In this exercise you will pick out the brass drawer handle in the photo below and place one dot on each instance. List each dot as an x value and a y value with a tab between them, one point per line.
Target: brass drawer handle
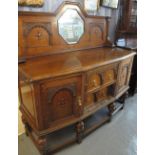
80	106
79	102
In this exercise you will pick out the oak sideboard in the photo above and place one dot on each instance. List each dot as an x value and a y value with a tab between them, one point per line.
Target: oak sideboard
70	75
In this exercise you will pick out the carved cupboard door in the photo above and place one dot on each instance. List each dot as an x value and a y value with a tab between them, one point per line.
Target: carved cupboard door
61	100
124	74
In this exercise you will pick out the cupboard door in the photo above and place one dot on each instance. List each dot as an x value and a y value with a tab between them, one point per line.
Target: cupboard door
124	74
61	100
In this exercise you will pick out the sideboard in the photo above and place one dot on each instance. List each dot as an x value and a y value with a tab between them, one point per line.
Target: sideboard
70	75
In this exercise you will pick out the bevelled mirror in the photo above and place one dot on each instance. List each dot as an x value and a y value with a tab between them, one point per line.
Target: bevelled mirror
71	26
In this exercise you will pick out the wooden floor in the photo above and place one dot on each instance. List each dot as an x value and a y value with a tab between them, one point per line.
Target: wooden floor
119	137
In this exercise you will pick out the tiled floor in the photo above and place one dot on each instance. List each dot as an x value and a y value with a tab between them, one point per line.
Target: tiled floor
116	138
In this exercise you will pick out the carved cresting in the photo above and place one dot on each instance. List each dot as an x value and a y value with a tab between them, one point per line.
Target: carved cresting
43	35
37	34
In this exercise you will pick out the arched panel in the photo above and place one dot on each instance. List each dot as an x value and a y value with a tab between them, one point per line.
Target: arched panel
61	105
96	33
123	76
38	36
94	81
109	76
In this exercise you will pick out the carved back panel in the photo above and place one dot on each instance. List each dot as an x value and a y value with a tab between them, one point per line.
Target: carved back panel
39	32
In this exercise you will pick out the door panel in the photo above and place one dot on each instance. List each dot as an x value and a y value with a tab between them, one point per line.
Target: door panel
60	99
61	104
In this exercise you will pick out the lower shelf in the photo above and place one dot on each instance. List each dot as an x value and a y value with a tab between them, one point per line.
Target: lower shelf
118	106
64	137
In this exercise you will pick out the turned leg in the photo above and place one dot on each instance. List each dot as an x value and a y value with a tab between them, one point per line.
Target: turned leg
27	127
122	99
79	131
42	145
111	108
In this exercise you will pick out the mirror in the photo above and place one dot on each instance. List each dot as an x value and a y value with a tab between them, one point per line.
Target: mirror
71	26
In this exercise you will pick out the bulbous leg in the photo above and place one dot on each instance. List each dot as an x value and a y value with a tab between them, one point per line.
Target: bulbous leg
111	108
79	131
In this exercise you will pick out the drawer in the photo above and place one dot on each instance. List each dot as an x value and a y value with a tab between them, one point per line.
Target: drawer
101	76
102	94
94	81
109	76
90	99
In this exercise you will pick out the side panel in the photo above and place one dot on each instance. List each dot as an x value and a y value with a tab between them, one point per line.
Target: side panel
124	74
27	101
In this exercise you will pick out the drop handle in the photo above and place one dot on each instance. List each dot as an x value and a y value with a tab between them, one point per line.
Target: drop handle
80	106
79	101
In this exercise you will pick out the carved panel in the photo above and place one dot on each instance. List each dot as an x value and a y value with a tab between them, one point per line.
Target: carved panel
109	76
37	34
61	105
123	76
52	91
96	32
94	81
61	99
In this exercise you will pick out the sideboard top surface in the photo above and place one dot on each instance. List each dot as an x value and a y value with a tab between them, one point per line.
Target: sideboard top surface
74	62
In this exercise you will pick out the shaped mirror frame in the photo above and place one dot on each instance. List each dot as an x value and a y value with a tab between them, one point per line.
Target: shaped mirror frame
71	26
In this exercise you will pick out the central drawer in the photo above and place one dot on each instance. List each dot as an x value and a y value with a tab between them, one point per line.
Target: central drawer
101	76
100	83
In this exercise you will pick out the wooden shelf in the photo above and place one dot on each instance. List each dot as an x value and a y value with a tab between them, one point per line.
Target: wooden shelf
67	136
118	106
